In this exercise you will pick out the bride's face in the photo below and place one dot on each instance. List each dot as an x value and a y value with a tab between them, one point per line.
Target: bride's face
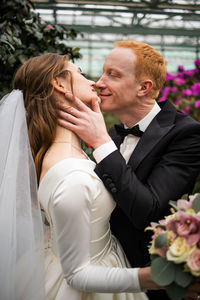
82	87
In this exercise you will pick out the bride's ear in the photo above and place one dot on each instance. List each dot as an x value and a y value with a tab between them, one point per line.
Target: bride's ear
59	84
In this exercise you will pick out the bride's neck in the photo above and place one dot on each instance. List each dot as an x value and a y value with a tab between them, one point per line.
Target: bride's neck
65	135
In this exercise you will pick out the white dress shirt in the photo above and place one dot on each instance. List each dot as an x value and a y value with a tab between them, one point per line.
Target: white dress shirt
130	141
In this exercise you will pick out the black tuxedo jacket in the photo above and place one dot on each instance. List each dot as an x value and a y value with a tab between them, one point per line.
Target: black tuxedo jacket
163	167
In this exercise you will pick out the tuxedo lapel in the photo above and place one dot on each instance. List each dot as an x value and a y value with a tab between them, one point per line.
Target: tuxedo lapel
157	129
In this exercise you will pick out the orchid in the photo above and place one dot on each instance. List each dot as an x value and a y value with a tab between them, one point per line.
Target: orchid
175	247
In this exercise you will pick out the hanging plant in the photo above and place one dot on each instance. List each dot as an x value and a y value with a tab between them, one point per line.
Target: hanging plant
23	34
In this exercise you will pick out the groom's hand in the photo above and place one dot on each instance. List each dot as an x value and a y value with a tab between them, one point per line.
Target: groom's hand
87	123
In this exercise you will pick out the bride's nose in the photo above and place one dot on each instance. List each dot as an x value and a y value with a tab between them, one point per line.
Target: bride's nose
92	82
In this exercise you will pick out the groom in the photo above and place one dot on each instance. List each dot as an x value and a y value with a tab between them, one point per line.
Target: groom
145	167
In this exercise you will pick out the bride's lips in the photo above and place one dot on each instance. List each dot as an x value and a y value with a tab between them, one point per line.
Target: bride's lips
93	90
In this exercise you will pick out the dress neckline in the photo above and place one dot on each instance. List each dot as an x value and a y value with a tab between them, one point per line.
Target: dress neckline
61	162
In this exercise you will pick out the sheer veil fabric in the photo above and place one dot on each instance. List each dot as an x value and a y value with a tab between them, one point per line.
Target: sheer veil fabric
21	232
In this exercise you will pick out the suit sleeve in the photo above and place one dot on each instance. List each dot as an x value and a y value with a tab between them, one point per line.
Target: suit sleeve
173	175
70	210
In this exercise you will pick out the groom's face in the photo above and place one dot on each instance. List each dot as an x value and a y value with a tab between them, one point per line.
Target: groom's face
118	86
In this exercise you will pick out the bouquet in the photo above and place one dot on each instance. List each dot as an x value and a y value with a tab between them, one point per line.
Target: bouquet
175	247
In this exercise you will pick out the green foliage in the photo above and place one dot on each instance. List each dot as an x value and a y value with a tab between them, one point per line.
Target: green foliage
23	34
161	241
196	203
175	292
110	120
162	271
182	278
173	204
88	150
171	276
197	186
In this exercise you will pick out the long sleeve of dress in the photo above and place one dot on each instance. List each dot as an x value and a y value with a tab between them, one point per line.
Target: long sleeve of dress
70	209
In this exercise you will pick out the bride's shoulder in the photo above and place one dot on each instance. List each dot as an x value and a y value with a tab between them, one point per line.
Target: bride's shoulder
53	158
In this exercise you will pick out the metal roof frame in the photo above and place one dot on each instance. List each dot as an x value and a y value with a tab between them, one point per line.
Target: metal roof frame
165	24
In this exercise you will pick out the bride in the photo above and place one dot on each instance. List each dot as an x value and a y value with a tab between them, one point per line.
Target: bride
82	259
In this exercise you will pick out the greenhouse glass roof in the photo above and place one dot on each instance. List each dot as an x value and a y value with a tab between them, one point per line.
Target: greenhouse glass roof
171	26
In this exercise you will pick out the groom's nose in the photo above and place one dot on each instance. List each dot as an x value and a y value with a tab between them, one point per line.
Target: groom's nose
101	83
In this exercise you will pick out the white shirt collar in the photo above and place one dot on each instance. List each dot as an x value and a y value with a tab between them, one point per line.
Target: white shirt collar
144	123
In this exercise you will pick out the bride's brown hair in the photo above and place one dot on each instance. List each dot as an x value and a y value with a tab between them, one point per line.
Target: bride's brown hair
34	78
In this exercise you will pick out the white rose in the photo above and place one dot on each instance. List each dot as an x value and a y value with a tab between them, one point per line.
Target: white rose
179	251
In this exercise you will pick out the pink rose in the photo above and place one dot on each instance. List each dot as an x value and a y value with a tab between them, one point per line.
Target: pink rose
193	262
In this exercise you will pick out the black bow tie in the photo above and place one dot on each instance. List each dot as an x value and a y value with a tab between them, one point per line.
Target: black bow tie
135	130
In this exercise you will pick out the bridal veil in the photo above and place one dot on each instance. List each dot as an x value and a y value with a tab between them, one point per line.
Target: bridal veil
21	234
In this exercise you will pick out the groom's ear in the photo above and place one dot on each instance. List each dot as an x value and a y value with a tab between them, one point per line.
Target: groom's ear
60	84
145	88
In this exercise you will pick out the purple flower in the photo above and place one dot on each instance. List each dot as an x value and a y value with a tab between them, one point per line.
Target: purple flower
169	77
186	92
181	68
197	62
196	89
197	104
180	75
178	100
166	91
185	112
174	89
179	80
189	73
195	71
187	108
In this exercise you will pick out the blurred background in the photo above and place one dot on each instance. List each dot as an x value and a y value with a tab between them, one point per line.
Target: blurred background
171	26
87	30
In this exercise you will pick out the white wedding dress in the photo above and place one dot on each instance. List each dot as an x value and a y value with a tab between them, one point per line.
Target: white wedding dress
83	261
